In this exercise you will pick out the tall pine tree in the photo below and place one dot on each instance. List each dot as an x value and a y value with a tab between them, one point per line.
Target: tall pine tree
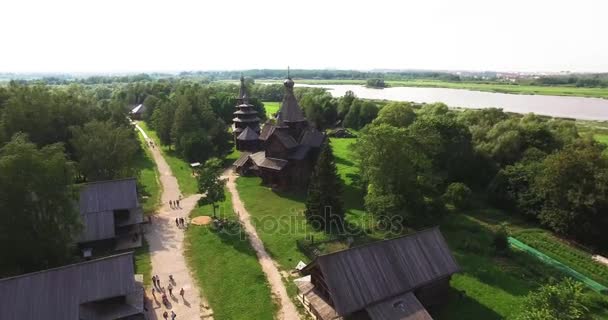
324	207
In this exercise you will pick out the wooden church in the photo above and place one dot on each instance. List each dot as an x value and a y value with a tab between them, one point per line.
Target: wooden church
285	151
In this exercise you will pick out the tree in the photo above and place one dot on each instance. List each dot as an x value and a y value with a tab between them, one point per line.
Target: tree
105	151
573	184
459	195
210	183
324	207
396	114
398	173
557	301
38	219
375	83
162	121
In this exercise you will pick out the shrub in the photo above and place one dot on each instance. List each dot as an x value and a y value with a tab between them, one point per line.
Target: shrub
561	301
459	195
501	241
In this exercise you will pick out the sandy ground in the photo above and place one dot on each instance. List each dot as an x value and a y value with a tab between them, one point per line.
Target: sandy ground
166	242
287	310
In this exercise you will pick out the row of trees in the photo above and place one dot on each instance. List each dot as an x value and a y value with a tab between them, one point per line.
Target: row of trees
51	139
414	160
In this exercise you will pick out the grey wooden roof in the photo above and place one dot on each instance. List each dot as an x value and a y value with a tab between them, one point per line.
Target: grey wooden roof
58	293
403	307
359	277
139	109
248	135
242	159
300	152
98	200
260	160
267	131
312	138
97	226
288	141
109	195
290	110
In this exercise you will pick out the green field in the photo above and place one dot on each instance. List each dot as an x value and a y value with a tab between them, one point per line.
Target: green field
271	107
494	287
181	169
489	87
227	269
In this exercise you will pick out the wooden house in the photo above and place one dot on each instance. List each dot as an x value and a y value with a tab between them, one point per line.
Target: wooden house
111	214
99	289
287	148
137	113
390	279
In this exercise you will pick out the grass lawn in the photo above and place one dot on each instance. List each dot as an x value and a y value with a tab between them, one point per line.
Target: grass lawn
271	107
601	137
180	168
494	286
227	269
143	264
149	185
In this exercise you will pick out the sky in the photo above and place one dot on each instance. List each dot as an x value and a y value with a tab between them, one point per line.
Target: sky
112	36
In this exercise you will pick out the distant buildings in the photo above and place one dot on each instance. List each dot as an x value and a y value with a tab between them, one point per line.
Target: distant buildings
99	289
285	152
384	280
111	214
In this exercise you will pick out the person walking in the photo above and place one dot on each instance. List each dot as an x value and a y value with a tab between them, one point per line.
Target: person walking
170	287
165	315
181	292
154	293
171	204
173	315
158	281
154	280
177	222
178	203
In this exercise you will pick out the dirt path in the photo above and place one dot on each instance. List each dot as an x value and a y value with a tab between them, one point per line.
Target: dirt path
287	310
166	243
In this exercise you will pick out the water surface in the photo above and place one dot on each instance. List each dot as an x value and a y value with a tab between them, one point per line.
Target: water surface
556	106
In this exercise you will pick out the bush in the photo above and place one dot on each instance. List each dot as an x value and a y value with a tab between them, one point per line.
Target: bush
459	195
562	301
501	241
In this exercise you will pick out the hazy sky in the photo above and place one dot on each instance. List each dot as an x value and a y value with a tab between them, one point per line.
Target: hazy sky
176	35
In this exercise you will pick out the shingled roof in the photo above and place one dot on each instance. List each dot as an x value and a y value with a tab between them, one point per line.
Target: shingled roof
403	307
109	195
248	135
260	160
362	276
312	138
97	203
60	293
290	110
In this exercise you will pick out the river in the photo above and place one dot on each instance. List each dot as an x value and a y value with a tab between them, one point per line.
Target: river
556	106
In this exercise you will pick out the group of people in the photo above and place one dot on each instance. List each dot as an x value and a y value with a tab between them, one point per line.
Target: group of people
174	204
151	144
161	289
180	222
